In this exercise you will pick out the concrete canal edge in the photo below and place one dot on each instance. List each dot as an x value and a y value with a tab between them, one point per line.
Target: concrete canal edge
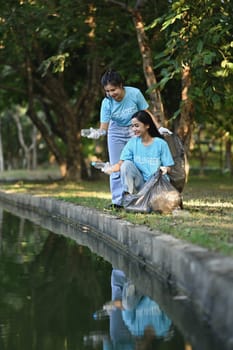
205	277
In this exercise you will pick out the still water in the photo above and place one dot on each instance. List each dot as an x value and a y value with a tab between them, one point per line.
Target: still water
57	294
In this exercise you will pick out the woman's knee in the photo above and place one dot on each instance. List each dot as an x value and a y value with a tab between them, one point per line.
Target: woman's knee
126	166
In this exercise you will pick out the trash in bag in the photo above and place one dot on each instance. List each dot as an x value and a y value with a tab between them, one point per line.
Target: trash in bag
164	197
157	194
177	174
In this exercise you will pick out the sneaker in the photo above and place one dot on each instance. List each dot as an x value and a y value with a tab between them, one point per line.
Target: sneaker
113	206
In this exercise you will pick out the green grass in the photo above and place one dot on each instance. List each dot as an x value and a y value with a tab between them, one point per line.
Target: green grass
207	218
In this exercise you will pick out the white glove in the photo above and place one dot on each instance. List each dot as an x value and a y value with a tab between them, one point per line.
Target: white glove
96	133
163	170
107	169
163	130
109	306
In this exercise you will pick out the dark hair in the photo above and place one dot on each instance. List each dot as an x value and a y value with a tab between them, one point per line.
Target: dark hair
145	118
111	77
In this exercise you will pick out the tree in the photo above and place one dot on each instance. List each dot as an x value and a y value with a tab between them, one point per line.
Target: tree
30	158
199	51
62	50
43	38
53	54
135	10
1	150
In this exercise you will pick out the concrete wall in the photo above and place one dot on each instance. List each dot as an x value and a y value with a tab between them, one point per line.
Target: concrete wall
203	277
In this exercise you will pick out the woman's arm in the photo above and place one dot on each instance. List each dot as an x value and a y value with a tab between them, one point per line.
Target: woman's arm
116	167
113	168
104	126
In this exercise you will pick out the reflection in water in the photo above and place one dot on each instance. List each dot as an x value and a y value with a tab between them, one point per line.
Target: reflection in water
135	320
51	284
48	290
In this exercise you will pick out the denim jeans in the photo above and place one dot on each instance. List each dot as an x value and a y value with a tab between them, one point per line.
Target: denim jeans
131	178
118	136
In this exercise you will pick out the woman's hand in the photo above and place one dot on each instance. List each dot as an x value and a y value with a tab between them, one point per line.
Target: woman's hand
109	169
163	131
164	170
96	133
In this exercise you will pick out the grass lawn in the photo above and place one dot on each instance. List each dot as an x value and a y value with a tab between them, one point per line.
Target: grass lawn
207	218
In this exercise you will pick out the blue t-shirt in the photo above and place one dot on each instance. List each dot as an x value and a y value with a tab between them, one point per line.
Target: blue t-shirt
122	111
147	314
148	158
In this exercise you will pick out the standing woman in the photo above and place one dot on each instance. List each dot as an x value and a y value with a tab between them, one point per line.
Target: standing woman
117	108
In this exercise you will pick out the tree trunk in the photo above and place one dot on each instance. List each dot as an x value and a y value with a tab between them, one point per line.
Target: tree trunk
66	119
34	148
186	120
185	123
155	96
22	143
69	119
228	156
147	61
1	151
49	139
1	230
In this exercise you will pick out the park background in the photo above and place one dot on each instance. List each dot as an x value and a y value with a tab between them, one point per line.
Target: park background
53	54
179	53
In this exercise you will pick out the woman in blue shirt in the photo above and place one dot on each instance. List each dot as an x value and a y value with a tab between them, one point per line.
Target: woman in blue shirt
117	108
143	155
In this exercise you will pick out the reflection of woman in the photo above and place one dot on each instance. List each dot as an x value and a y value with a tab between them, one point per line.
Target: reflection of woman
144	316
135	316
120	336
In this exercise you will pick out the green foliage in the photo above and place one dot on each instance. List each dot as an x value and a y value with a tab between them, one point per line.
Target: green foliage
66	46
57	62
200	34
54	53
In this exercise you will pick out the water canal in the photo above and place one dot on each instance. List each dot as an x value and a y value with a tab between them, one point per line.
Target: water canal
56	279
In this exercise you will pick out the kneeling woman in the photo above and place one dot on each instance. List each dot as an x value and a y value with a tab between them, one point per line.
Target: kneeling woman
143	155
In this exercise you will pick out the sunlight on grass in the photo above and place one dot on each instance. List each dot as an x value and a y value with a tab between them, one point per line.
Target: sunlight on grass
215	204
101	195
207	218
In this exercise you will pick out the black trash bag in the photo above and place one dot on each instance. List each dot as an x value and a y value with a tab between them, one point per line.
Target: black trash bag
157	194
177	174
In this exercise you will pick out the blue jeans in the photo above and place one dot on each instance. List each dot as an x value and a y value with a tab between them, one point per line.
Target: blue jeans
120	337
131	178
118	136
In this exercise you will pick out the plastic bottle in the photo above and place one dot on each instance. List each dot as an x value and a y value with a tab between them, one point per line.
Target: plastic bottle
100	314
93	133
105	311
86	132
98	165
